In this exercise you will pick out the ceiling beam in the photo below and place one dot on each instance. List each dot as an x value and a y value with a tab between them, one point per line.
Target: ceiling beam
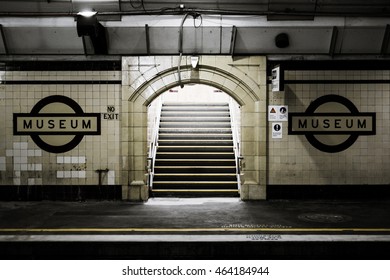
147	39
386	40
4	40
233	40
333	41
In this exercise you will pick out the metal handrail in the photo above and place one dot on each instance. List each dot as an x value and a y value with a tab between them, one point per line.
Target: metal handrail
153	146
236	142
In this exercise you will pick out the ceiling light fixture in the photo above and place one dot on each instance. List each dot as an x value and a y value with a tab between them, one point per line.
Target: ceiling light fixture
87	13
89	26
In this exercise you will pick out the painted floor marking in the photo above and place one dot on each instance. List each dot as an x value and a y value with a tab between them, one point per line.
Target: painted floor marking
181	230
194	238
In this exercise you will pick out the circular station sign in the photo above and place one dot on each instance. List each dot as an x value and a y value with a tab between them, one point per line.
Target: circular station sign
57	124
332	123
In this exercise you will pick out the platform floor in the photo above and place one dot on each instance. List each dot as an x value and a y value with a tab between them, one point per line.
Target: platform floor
196	228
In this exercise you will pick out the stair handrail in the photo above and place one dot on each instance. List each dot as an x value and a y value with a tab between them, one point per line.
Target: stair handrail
236	139
154	143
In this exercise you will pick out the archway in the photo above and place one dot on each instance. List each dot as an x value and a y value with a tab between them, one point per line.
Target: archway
194	143
145	78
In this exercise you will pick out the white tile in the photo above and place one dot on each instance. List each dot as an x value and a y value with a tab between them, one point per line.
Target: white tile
31	153
60	159
82	160
38	167
24	145
74	159
75	174
17	181
111	177
23	159
17	145
38	153
31	181
9	153
31	167
23	167
67	159
82	174
60	174
67	174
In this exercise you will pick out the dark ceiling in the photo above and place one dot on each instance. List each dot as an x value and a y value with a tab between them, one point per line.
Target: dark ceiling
371	8
141	27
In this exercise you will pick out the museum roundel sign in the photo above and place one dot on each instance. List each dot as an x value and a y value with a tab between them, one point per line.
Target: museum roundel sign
332	123
57	124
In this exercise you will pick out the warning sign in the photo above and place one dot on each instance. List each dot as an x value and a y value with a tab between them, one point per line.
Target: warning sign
272	114
277	113
277	130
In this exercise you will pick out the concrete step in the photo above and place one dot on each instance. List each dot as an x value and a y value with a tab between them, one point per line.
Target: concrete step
195	142
212	149
195	130
194	185
195	193
191	119
195	177
195	155
195	162
194	109
194	114
194	169
214	125
194	137
195	104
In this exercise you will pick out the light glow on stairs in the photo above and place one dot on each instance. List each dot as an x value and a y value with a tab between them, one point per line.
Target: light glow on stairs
195	151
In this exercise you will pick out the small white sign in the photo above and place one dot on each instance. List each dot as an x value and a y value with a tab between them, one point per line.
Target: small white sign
283	113
272	113
277	130
276	79
278	113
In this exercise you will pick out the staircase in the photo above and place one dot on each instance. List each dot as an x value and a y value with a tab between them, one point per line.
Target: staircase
195	154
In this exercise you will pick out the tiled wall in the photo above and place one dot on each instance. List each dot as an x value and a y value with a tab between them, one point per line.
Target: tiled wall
22	162
291	160
294	161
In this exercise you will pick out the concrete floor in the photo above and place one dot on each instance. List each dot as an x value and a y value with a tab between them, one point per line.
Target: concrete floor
278	228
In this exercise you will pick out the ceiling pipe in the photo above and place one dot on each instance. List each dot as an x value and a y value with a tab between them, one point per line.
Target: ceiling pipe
194	15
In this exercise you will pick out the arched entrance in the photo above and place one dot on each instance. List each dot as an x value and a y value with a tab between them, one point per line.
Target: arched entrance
194	143
145	78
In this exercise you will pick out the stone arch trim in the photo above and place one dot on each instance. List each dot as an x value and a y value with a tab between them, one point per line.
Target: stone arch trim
189	81
187	69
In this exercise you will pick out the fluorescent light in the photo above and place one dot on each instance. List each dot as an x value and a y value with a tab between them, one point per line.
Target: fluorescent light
87	13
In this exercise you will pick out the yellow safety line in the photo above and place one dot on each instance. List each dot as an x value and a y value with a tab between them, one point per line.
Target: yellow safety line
3	230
